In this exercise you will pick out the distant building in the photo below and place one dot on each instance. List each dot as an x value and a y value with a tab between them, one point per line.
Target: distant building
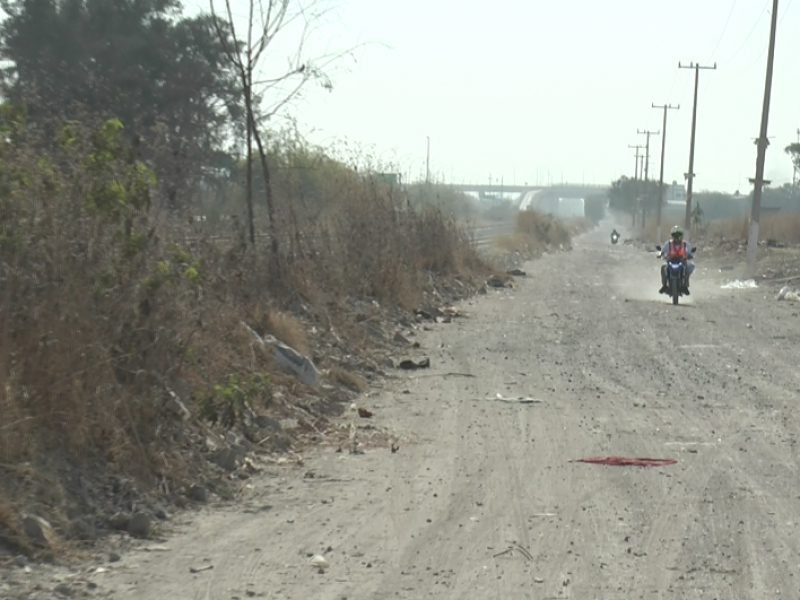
674	192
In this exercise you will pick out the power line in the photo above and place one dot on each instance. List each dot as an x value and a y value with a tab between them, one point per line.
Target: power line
758	20
721	35
764	49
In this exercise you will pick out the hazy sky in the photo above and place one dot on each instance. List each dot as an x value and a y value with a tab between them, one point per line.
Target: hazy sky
522	87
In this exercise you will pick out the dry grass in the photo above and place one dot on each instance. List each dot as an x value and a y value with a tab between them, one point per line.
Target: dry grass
536	232
783	228
289	330
348	379
105	304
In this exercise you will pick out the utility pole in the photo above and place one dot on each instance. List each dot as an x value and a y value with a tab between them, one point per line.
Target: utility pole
428	161
666	107
636	170
763	142
795	170
635	176
646	173
690	174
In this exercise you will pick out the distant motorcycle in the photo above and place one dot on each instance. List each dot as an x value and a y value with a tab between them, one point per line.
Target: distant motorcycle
676	274
614	237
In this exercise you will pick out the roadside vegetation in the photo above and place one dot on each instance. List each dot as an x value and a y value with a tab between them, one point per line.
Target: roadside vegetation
156	227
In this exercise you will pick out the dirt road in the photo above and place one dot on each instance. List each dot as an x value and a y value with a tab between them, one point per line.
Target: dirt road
482	501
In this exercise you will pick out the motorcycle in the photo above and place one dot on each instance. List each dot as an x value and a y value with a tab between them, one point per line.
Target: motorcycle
614	237
676	274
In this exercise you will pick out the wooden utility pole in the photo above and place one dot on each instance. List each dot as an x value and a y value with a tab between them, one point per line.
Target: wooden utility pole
690	175
428	161
635	175
763	142
666	107
795	170
646	173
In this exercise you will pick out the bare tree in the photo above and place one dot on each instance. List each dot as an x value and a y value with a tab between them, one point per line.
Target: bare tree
265	97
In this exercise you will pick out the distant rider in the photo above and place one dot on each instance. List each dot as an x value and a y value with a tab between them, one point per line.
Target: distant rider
676	248
614	235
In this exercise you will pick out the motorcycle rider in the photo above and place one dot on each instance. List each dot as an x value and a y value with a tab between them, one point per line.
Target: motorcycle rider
676	248
614	234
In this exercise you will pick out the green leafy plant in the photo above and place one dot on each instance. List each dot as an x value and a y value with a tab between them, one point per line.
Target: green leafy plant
226	402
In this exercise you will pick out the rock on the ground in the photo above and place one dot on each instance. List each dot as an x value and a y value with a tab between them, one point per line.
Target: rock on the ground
139	525
120	521
38	530
198	493
227	459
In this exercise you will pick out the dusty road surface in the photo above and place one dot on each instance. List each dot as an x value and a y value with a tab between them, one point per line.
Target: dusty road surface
482	501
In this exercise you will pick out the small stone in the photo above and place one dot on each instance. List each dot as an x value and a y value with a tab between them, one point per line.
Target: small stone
319	561
120	521
64	590
198	493
114	557
226	458
140	525
159	512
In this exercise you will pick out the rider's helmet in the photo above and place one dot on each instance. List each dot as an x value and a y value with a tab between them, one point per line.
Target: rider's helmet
677	233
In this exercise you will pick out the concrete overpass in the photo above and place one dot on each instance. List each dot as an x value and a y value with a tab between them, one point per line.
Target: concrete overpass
572	188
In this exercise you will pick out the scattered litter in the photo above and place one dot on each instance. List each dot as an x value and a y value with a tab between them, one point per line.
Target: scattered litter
627	462
319	561
365	414
200	569
788	293
153	548
736	284
448	375
289	358
517	400
410	365
516	547
495	282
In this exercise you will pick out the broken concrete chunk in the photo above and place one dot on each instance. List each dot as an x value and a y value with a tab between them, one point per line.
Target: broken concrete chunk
38	530
289	358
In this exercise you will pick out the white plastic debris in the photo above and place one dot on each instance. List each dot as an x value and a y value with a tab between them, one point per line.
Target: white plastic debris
319	561
788	293
736	284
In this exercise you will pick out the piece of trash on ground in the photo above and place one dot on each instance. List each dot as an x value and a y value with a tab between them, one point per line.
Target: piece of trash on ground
788	293
410	365
736	284
517	399
623	461
200	569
